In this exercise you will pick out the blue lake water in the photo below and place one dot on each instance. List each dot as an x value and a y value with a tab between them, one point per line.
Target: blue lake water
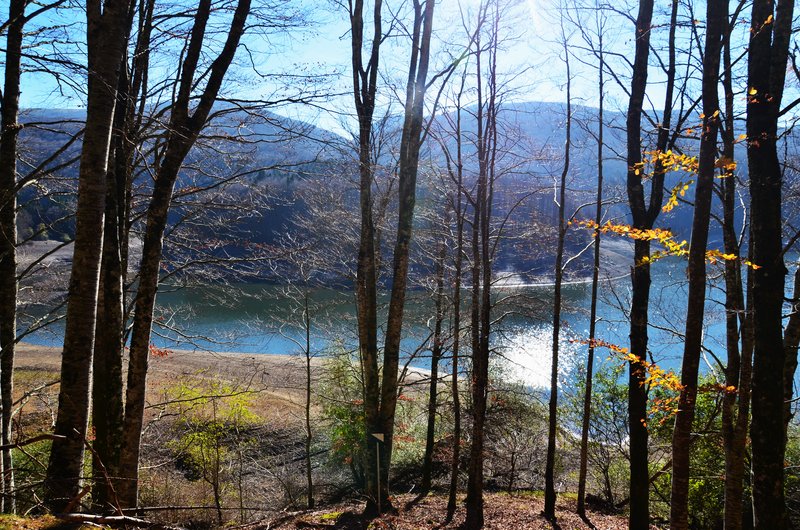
262	319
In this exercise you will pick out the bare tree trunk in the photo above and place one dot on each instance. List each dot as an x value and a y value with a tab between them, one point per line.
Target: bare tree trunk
309	434
480	372
106	36
684	418
552	432
456	461
364	90
184	129
108	385
644	215
8	236
486	119
735	405
742	422
598	218
768	55
640	281
436	354
410	143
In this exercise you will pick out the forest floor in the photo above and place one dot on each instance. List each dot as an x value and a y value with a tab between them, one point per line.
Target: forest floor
279	382
502	511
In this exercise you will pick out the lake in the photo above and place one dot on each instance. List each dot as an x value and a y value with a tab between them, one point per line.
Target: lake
262	319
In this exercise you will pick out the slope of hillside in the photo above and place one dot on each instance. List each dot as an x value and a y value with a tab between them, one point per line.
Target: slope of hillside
276	154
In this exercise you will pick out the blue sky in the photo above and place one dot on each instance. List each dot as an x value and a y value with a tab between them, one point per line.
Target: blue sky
323	47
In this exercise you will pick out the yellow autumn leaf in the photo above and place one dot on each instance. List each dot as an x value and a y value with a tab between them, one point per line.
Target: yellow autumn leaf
752	265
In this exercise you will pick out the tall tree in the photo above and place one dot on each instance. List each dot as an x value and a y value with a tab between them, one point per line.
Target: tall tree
485	152
455	463
640	278
8	230
107	380
598	217
410	143
455	169
549	473
736	407
695	310
437	348
738	322
365	78
9	134
380	388
185	126
106	38
644	214
770	34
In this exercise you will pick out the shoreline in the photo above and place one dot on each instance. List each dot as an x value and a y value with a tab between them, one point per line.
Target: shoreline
616	256
581	281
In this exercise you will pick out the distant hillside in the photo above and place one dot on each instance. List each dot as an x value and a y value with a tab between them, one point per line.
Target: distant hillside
278	153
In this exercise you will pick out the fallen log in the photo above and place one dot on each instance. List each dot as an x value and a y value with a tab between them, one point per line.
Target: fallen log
114	520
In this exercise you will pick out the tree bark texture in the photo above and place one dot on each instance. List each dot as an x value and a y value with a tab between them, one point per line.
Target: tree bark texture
695	310
768	54
184	129
106	35
9	132
552	431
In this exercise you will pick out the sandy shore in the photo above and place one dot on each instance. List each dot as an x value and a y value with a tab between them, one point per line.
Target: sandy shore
278	381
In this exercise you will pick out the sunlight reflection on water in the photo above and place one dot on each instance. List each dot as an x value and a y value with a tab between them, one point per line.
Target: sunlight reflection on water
527	355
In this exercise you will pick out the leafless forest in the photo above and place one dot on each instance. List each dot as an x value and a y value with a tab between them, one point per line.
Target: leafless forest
417	205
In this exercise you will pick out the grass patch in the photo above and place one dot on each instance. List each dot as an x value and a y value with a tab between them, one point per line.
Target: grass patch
332	516
45	522
535	494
